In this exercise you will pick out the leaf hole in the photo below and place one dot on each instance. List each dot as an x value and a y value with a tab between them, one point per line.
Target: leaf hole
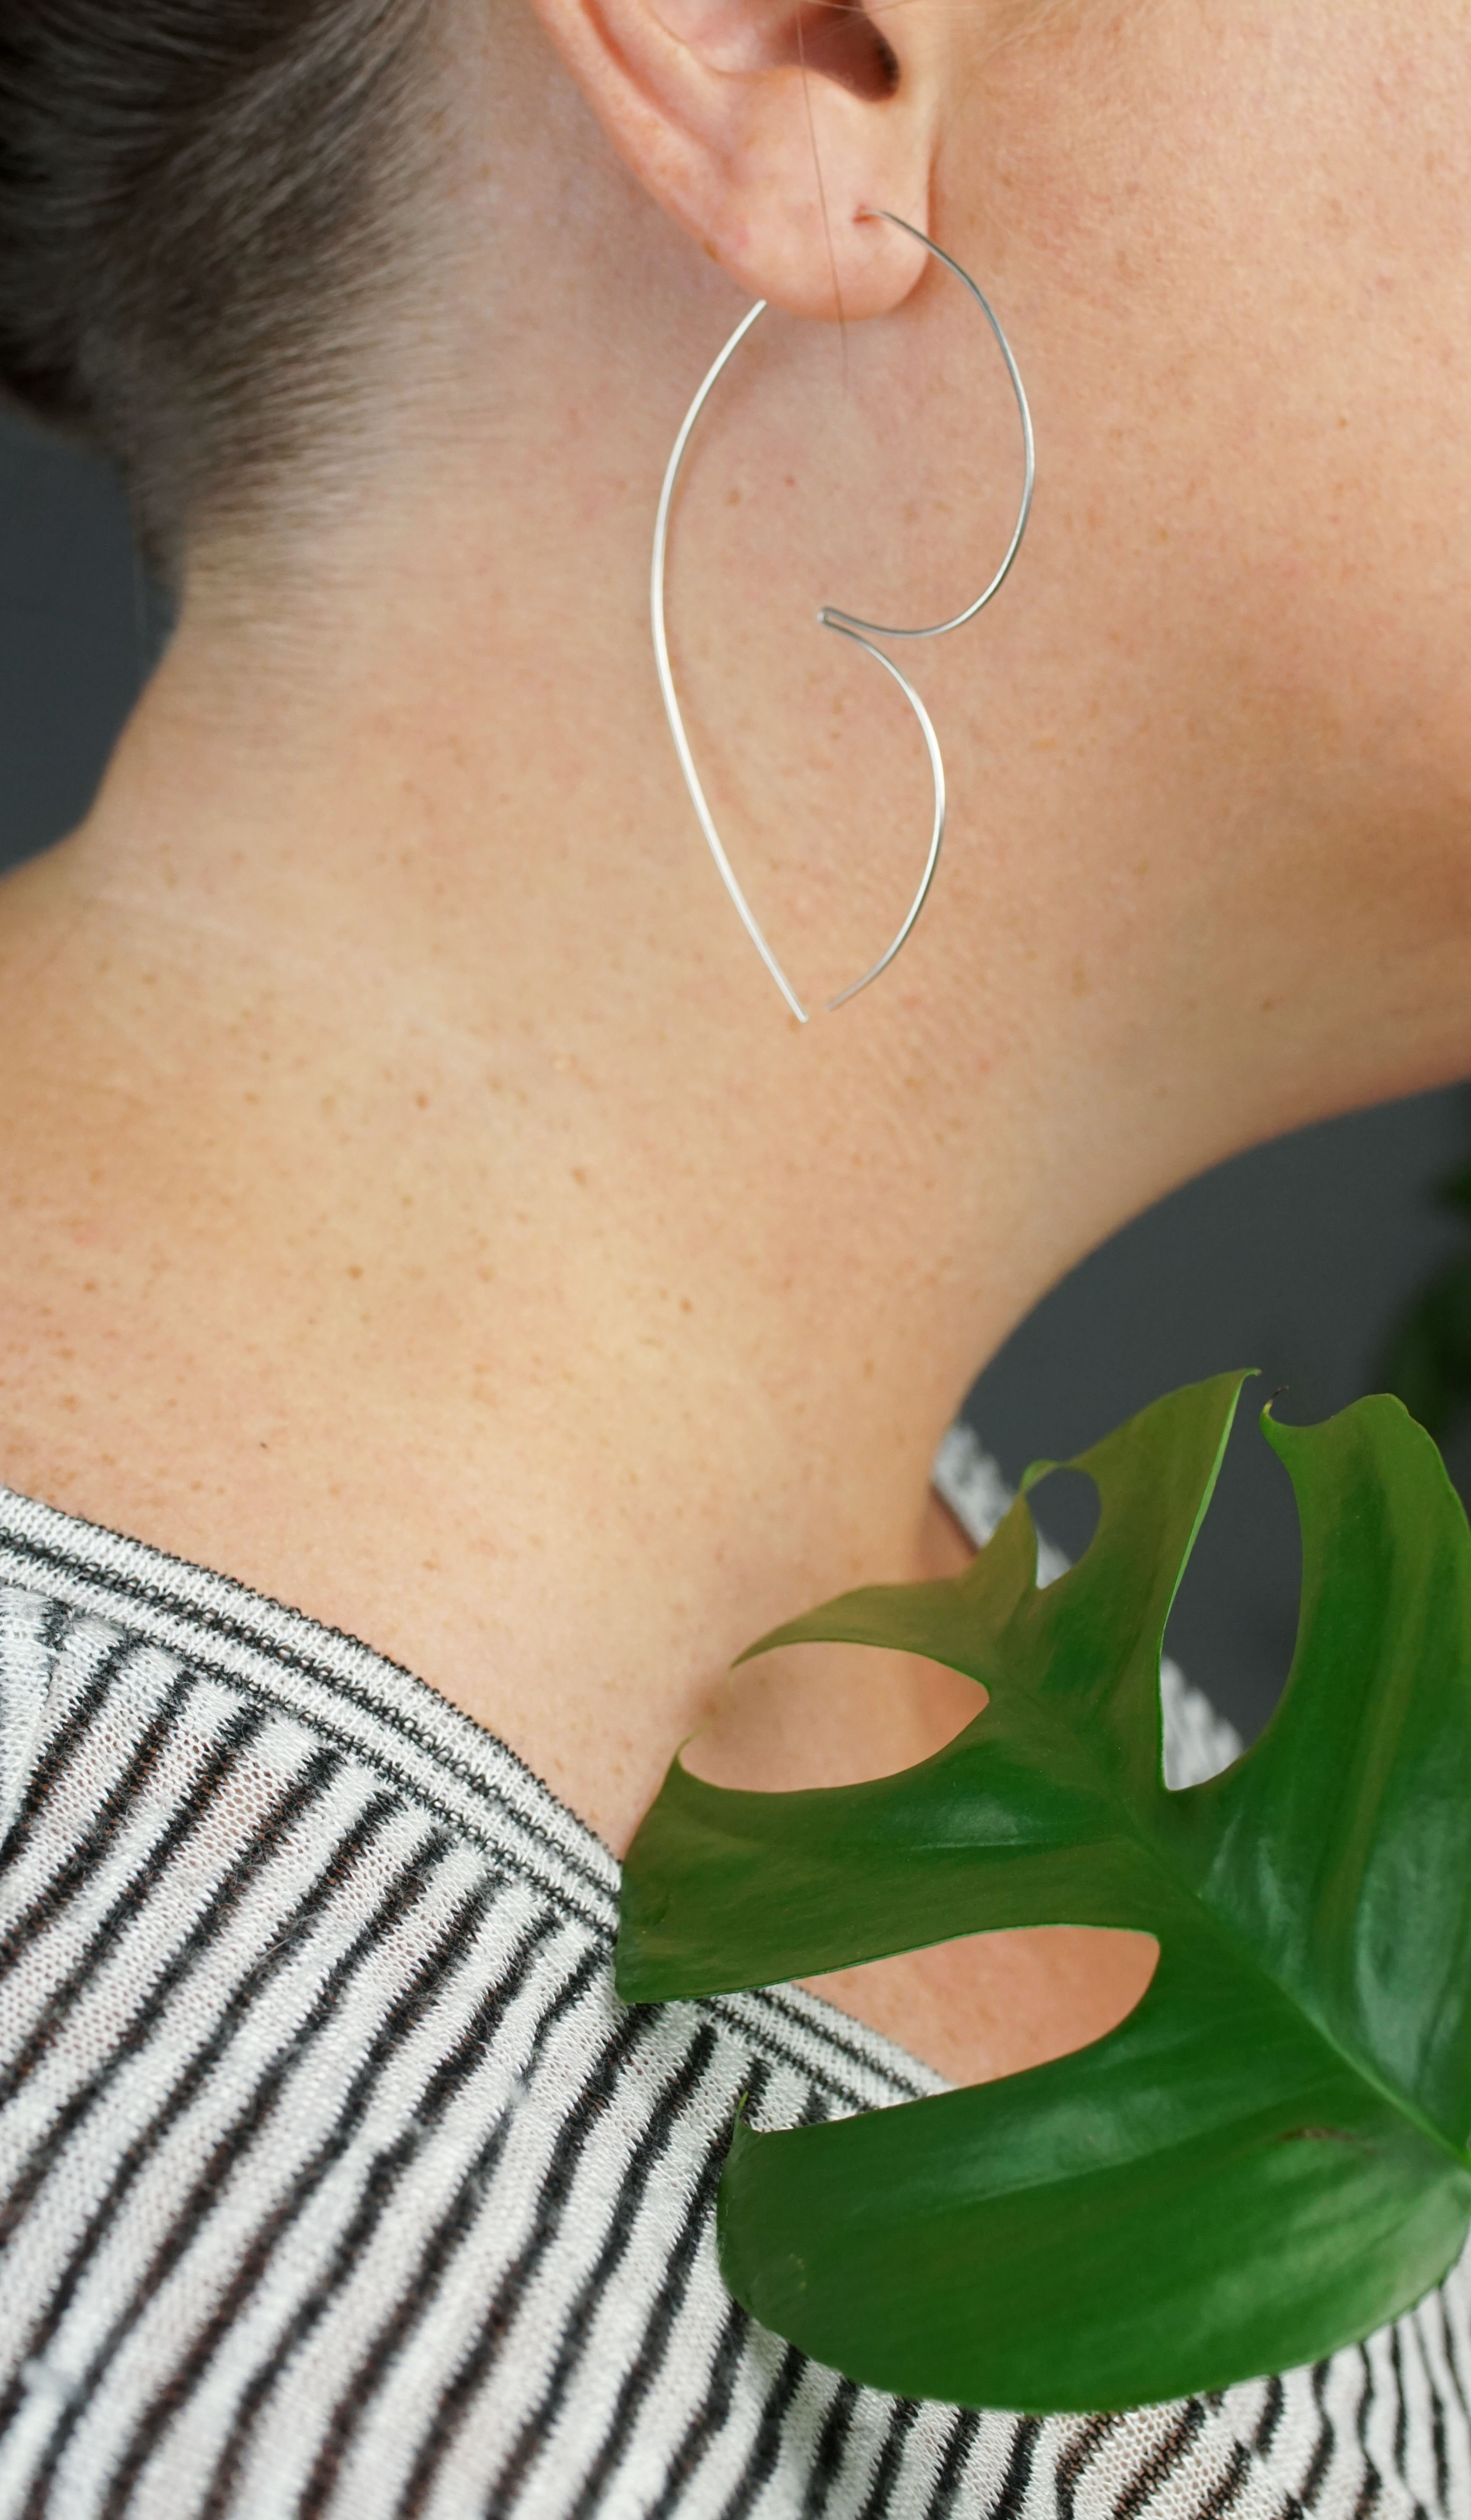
990	2004
1232	1626
1067	1507
829	1715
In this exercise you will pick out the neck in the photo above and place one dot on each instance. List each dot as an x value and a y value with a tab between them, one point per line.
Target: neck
540	1301
455	1164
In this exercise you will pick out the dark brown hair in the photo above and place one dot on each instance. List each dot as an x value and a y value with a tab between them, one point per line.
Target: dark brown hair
201	201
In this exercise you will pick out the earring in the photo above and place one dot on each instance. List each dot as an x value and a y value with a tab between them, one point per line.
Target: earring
861	633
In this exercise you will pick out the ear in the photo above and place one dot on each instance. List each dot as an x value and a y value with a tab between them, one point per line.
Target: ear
771	130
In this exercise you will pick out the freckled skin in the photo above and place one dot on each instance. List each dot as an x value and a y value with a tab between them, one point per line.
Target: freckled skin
415	1200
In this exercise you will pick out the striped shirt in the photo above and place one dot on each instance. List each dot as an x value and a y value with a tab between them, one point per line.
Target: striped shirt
337	2184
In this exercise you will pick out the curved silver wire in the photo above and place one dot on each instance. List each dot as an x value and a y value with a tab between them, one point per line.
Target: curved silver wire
829	616
847	624
672	710
937	835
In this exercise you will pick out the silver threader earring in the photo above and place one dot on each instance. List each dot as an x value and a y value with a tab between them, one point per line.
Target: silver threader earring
861	633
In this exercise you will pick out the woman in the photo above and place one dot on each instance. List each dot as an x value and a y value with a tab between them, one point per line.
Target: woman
421	1208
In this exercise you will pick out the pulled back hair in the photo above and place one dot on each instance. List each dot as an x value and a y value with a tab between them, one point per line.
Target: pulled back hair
201	205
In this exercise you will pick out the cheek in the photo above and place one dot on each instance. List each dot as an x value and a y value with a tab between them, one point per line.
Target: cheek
1240	278
1258	339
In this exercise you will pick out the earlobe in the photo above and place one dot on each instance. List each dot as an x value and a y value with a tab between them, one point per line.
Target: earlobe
767	129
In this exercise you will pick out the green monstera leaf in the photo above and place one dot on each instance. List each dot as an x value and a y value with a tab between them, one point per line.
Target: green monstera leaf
1267	2159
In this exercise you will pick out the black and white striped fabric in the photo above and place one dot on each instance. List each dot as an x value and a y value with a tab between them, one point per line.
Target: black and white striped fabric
335	2180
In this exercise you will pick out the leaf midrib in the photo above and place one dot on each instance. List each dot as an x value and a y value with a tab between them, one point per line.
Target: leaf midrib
1156	1853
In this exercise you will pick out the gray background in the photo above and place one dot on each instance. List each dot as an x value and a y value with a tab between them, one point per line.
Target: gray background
78	626
1293	1259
